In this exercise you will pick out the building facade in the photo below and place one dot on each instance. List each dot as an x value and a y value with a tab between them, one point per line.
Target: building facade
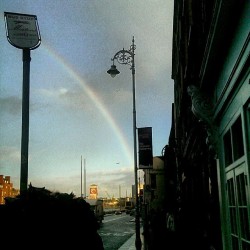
154	185
6	189
207	160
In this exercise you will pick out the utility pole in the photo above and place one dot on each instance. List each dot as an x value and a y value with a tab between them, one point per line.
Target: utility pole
81	176
85	178
120	196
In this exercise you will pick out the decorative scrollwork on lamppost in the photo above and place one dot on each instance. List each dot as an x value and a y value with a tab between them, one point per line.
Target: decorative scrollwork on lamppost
127	57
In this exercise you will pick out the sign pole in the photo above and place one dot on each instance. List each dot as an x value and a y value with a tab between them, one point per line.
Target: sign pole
25	121
23	33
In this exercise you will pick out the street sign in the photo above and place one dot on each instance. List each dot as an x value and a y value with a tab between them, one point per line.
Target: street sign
145	148
22	30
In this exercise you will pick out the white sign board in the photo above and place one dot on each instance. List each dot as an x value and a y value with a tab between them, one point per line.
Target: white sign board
22	30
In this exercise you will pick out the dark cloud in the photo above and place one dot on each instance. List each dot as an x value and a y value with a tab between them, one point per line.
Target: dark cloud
11	105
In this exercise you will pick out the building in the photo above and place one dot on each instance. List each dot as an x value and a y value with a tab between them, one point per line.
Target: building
6	189
152	195
154	185
208	156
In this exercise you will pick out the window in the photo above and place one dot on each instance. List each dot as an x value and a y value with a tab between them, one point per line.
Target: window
153	181
237	176
238	209
233	143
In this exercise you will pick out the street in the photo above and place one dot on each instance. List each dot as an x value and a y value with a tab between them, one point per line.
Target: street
116	229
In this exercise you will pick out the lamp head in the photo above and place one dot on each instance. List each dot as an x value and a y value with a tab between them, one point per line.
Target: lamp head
113	71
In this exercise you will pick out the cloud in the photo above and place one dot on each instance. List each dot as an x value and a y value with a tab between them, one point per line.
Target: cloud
10	158
9	153
11	105
107	181
69	98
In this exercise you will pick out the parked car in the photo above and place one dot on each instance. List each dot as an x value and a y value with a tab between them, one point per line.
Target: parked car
118	212
128	211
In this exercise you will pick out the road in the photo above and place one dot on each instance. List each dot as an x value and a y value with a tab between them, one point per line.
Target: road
116	229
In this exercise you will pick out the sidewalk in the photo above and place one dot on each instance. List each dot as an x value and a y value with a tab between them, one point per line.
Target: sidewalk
130	243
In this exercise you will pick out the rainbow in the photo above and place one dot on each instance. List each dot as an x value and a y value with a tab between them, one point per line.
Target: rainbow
94	97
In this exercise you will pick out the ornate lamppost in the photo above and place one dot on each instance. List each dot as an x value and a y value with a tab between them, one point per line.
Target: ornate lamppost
127	57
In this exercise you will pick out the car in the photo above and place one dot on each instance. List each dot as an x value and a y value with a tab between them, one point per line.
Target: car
118	212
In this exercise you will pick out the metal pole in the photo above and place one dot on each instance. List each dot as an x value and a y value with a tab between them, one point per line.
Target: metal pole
137	214
25	121
85	195
81	176
122	58
120	197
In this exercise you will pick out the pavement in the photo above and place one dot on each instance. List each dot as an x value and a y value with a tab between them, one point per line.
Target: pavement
130	243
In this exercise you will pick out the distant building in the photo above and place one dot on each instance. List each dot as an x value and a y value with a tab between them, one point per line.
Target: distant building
6	189
93	191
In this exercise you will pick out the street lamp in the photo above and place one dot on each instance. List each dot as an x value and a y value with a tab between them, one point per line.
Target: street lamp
128	57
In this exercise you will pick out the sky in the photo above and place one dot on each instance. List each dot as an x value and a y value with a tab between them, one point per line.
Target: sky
79	116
